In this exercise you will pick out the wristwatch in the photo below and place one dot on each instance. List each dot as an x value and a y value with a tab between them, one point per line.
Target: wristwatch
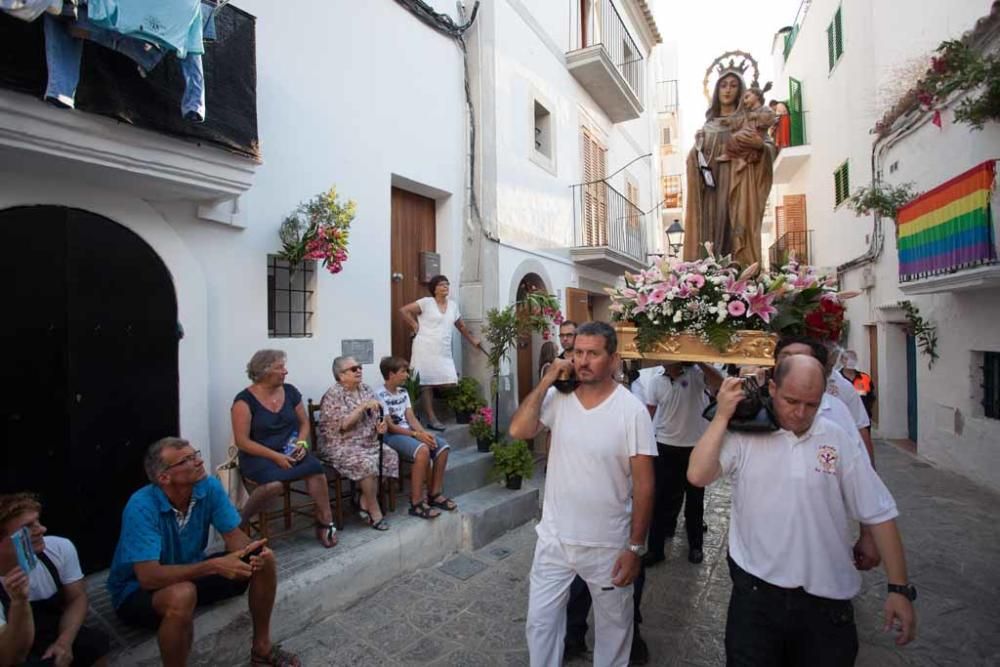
908	590
638	549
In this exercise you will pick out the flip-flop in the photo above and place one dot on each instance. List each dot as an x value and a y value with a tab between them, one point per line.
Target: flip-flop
276	658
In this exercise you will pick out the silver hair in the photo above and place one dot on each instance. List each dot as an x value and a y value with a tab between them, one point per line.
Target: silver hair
261	362
153	461
338	365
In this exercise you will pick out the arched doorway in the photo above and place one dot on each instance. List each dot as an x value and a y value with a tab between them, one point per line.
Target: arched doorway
90	377
526	352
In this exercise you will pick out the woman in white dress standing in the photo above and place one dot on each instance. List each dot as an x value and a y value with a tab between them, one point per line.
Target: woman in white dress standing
431	319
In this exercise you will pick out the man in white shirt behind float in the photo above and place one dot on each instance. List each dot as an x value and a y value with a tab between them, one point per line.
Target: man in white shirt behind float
598	499
790	559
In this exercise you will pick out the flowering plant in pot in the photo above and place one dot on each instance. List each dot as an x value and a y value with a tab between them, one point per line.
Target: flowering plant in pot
465	398
318	229
512	461
481	428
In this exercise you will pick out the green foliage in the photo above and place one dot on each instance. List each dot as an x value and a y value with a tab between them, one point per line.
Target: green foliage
959	67
412	386
884	198
922	330
466	396
481	424
512	458
535	313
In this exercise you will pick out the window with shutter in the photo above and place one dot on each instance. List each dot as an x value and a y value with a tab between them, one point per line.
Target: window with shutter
595	191
841	184
835	39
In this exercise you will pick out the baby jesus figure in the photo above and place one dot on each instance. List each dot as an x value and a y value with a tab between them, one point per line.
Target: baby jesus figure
751	115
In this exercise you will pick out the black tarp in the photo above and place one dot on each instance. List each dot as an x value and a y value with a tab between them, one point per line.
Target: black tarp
110	83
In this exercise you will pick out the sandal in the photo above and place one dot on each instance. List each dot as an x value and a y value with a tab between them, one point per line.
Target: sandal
443	502
435	425
277	658
423	510
326	533
380	525
365	516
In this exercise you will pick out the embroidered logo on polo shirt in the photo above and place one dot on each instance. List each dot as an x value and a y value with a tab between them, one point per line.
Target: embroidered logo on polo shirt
827	458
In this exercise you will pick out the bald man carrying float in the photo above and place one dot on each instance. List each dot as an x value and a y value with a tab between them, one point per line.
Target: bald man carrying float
790	558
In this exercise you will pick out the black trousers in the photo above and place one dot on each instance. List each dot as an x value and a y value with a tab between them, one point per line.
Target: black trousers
579	605
672	489
768	626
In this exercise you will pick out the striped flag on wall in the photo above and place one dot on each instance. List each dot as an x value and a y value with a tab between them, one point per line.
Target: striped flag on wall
948	228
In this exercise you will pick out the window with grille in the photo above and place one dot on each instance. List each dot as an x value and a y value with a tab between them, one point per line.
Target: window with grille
841	185
835	39
991	385
543	130
291	292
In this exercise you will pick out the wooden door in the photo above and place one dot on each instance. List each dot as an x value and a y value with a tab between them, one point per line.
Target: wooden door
95	378
912	407
578	305
413	231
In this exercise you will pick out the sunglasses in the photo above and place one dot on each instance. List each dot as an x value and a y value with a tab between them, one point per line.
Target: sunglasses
354	369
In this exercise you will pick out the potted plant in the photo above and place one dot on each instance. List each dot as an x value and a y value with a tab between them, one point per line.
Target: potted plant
412	386
512	461
481	428
465	398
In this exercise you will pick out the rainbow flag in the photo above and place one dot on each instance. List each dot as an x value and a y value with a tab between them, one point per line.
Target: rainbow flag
949	228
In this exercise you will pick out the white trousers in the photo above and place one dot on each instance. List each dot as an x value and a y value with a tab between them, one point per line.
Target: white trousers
553	570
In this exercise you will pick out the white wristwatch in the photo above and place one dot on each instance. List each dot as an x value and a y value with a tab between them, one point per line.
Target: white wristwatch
638	549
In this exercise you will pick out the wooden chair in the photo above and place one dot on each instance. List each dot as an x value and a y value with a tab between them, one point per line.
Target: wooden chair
285	512
335	479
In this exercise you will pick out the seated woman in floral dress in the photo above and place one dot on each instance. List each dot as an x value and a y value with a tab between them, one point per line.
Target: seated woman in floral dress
349	425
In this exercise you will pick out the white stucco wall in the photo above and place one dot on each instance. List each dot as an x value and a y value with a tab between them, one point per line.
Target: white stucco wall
354	95
951	427
534	205
885	44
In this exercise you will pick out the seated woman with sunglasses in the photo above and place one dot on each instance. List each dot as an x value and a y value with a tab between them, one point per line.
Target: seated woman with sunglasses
349	425
271	431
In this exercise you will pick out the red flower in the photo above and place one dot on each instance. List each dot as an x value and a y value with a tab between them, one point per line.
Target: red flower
925	98
939	65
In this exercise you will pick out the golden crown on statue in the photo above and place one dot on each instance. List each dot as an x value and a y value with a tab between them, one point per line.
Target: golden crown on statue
739	62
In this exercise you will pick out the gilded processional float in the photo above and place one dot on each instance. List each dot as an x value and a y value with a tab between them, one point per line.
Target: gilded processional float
716	304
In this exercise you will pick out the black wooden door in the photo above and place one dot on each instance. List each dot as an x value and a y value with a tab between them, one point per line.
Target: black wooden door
93	324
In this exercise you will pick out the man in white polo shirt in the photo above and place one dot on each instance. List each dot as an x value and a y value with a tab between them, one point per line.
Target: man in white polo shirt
598	499
840	387
794	491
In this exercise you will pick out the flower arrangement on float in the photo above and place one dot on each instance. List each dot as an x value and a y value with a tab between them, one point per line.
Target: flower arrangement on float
716	300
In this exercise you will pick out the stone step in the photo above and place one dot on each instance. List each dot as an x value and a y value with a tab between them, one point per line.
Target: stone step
314	582
468	470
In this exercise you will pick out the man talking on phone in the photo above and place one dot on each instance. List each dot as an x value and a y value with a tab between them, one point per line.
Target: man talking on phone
598	498
160	572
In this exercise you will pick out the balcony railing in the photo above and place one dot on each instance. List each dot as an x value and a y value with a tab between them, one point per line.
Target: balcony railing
605	218
673	191
605	59
666	96
790	243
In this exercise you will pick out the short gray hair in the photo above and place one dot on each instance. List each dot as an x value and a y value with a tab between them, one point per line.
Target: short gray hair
153	461
261	362
338	365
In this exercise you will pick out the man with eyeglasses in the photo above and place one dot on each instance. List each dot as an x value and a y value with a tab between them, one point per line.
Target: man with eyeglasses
567	338
54	601
160	572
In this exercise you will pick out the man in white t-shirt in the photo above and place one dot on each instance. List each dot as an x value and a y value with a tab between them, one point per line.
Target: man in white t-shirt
676	398
794	491
598	498
56	590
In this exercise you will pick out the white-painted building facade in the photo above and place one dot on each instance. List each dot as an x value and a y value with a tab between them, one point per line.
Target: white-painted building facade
851	62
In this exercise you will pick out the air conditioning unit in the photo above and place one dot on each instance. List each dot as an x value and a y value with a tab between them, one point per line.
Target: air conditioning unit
867	278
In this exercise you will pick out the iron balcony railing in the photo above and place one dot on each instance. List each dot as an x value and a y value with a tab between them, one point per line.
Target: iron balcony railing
790	243
604	217
600	23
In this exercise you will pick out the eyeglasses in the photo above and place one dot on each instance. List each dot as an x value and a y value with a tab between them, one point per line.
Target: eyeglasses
569	335
190	458
354	369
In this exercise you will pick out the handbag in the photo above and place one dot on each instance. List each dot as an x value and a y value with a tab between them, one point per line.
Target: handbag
232	482
753	414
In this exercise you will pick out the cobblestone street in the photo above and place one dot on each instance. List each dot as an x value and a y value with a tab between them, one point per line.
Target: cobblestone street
470	610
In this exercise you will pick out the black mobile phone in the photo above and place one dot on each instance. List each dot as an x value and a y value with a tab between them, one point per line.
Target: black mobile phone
256	552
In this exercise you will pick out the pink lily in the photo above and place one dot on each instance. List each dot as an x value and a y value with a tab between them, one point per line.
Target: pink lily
761	306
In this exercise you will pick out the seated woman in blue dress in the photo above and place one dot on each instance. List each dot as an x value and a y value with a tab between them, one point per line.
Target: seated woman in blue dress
271	430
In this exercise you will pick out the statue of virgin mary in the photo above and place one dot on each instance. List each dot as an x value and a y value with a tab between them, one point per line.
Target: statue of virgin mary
726	205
